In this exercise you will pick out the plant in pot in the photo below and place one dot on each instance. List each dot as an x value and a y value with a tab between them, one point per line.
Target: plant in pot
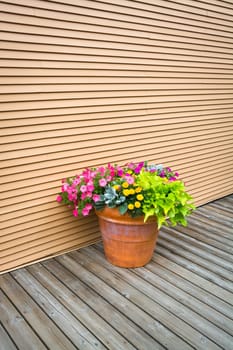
132	202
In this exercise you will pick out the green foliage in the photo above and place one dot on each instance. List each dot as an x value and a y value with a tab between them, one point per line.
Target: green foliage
138	189
167	200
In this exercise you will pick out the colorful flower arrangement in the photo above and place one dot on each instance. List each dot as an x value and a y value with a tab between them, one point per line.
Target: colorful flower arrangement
136	188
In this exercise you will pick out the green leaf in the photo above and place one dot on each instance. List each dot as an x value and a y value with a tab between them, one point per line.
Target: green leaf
123	208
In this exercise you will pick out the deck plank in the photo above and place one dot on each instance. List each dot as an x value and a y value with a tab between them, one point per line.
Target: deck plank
117	320
44	327
6	342
158	295
17	327
97	282
193	284
55	311
83	312
113	276
182	299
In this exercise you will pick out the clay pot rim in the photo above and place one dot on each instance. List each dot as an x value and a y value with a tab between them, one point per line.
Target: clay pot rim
113	214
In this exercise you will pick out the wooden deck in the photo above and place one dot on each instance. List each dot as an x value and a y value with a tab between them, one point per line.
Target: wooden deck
183	299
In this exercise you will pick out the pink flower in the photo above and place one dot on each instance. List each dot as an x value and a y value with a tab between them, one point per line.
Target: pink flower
88	206
130	165
93	174
70	196
83	188
112	170
76	181
88	194
75	212
129	179
83	196
101	170
85	211
90	187
64	187
96	197
120	171
102	182
59	198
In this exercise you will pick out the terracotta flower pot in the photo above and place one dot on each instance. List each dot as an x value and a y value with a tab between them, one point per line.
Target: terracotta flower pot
128	242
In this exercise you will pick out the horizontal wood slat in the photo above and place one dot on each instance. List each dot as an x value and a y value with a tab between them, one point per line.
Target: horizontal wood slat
91	82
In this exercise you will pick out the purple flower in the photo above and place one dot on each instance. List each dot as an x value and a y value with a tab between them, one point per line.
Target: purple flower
139	167
120	171
162	173
172	178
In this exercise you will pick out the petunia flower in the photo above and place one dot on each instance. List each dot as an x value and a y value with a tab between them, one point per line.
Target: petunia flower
88	206
59	199
96	197
64	187
102	182
90	187
129	179
139	167
83	188
85	211
75	212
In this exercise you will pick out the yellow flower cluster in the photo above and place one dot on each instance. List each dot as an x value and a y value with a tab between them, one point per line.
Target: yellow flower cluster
132	191
127	192
131	206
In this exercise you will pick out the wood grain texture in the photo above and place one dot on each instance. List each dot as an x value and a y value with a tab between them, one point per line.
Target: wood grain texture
85	83
182	299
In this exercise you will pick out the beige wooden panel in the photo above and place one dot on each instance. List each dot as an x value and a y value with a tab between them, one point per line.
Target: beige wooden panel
84	83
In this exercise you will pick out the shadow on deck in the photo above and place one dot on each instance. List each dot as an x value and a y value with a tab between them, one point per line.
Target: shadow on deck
183	299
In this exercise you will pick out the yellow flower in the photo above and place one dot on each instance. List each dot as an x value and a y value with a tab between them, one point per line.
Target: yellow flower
126	192
116	187
129	171
137	204
138	189
131	191
130	206
140	197
125	184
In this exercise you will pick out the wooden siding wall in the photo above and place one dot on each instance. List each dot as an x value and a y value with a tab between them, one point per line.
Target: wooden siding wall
87	82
